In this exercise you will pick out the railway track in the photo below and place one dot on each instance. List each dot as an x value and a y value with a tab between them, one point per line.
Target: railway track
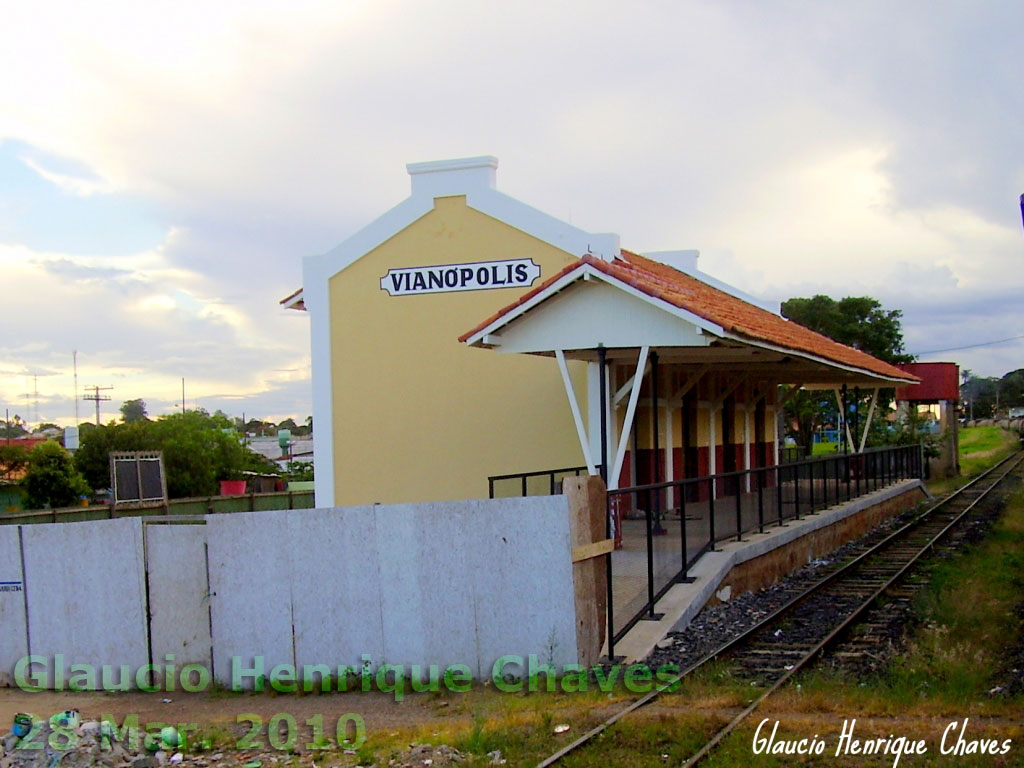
797	633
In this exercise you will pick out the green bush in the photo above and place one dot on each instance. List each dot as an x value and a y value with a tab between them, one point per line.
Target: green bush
51	479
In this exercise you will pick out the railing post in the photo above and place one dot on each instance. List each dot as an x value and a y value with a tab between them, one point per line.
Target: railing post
739	510
778	492
860	470
796	491
760	501
682	527
608	572
810	468
650	561
711	512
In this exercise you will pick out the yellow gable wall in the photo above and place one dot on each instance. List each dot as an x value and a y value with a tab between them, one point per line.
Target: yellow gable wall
419	416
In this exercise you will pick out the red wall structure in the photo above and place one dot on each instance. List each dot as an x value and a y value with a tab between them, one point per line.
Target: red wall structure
939	381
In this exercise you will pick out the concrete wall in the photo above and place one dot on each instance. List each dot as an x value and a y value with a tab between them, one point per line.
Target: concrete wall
439	583
14	643
85	588
179	594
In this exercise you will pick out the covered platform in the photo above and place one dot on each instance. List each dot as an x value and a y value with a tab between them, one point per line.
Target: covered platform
687	379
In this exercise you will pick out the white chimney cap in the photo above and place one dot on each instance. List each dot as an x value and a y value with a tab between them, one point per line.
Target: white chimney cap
440	178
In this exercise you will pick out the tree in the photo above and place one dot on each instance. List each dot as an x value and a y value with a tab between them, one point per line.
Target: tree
92	458
133	410
51	479
1011	389
857	321
979	394
199	450
13	428
13	460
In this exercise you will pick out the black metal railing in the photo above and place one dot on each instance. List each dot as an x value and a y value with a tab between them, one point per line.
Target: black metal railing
668	526
544	482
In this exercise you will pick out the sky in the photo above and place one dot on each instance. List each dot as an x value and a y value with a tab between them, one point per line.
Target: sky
164	167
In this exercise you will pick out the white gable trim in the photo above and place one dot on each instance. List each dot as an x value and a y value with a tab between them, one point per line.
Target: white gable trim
480	197
587	272
472	177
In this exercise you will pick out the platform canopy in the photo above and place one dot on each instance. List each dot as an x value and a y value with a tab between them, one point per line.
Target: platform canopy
638	312
633	302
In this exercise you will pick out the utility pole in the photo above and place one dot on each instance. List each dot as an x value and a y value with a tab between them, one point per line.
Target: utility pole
182	394
97	398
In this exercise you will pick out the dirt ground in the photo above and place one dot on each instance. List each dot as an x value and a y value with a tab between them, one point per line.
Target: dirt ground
221	711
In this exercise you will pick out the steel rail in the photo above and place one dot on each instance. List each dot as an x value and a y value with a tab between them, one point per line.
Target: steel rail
743	637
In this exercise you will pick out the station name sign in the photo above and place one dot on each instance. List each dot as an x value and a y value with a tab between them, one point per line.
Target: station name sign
479	276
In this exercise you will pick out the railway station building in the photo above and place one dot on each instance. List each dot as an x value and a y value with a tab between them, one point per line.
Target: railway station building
463	344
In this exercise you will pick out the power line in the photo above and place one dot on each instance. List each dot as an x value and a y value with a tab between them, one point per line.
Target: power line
969	346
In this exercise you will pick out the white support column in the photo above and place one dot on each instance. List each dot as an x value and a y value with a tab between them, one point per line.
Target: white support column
627	425
867	422
613	422
571	394
776	415
746	444
845	421
712	449
669	463
593	419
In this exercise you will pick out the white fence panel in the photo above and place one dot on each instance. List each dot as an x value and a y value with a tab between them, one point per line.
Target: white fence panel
85	584
179	600
250	555
13	642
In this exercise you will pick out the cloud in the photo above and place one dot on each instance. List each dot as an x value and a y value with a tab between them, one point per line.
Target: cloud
71	184
167	166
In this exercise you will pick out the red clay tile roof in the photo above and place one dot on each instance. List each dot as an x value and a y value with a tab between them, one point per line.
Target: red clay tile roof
735	316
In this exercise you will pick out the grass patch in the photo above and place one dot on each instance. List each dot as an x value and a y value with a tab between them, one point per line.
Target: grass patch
980	447
969	617
968	621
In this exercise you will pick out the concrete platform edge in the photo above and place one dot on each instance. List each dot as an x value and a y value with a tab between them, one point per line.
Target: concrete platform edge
684	601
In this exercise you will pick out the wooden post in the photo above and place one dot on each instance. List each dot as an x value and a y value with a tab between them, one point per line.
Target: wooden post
590	548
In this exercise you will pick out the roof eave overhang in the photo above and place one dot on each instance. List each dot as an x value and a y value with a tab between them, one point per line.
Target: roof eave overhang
878	379
488	337
294	301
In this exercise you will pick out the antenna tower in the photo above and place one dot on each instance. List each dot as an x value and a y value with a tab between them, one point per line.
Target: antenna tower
74	356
